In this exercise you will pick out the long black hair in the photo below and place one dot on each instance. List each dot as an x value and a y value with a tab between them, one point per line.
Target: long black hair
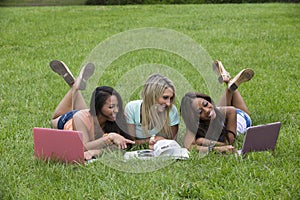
213	129
98	99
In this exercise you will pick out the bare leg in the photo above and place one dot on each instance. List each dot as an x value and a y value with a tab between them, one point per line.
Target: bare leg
233	98
73	100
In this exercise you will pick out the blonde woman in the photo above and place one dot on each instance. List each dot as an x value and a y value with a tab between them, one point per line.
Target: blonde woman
155	115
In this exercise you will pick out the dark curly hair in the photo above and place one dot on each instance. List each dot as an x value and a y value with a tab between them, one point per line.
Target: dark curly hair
213	129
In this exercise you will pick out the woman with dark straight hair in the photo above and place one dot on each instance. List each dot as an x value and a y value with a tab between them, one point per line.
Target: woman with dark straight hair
102	124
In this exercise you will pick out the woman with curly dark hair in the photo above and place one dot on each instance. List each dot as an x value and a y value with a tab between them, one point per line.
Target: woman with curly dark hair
214	128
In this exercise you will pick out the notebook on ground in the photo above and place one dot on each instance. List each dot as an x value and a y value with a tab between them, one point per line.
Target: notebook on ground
61	145
162	148
260	138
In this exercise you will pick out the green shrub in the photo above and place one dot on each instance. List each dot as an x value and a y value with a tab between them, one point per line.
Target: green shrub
124	2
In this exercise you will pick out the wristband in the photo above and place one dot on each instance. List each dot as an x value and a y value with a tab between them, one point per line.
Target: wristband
211	146
229	131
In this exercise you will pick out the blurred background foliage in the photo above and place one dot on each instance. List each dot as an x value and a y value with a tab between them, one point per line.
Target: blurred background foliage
128	2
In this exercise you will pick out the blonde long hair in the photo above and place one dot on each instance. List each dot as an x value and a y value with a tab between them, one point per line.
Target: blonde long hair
153	89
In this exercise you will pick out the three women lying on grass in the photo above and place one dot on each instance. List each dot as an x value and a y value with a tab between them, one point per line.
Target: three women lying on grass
155	116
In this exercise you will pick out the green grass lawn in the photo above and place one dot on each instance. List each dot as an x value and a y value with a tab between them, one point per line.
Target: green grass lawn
264	37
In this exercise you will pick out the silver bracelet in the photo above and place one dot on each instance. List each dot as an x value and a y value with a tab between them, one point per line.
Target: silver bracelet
211	146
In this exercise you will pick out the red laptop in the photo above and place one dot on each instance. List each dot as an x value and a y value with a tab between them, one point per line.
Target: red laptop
60	145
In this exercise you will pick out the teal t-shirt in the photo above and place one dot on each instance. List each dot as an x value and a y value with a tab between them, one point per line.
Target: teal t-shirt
133	111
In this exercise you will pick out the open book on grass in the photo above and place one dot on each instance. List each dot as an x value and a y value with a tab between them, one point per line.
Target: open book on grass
162	148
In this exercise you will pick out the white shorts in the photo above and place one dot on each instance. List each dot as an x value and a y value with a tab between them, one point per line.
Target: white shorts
243	121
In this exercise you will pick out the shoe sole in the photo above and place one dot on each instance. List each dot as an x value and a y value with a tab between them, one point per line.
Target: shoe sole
85	74
60	68
220	71
244	76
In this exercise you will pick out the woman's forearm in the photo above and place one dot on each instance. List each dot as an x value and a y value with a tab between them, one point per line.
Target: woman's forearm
98	144
206	142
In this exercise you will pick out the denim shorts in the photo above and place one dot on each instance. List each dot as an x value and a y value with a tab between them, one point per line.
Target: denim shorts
64	118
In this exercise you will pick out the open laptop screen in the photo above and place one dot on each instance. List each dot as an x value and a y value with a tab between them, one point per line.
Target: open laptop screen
261	137
62	145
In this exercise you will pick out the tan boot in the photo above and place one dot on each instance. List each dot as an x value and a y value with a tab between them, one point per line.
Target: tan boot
243	76
223	75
